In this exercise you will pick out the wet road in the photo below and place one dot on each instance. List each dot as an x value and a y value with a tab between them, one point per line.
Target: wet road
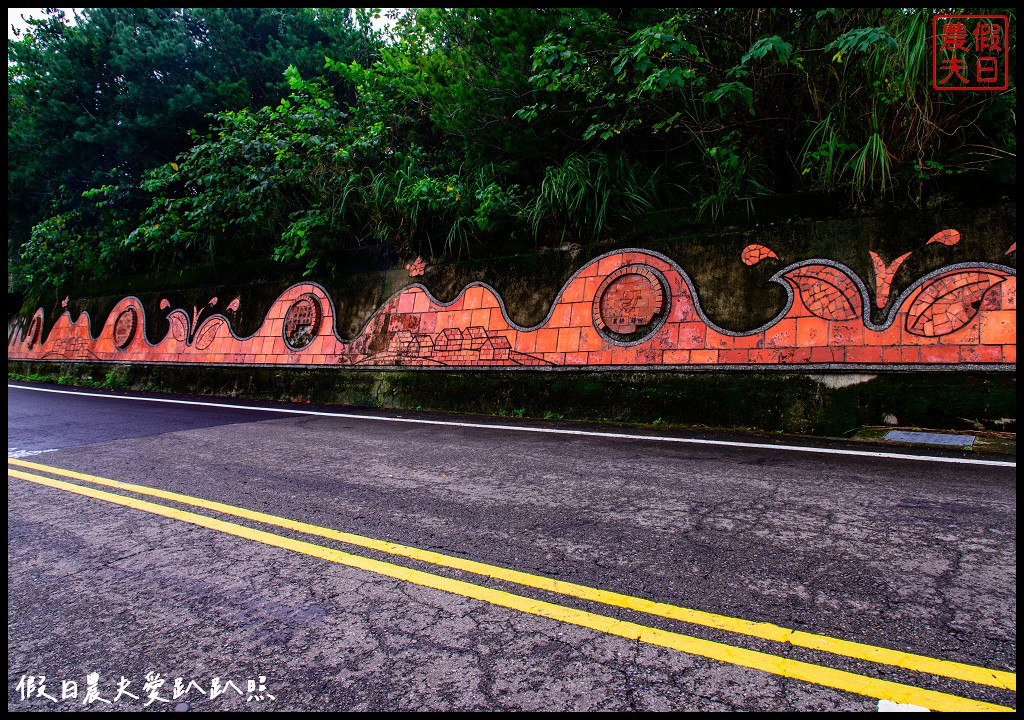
860	554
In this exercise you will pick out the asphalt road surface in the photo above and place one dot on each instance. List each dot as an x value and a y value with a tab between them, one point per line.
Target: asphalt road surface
165	555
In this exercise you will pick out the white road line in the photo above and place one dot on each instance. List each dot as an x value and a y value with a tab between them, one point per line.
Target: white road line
890	706
16	453
550	431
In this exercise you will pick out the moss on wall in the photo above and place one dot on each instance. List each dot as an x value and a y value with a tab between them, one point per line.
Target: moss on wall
816	404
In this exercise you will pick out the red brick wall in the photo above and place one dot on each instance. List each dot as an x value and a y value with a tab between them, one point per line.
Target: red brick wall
628	308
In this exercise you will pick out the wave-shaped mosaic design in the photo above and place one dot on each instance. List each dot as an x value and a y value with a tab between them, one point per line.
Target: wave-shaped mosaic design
628	308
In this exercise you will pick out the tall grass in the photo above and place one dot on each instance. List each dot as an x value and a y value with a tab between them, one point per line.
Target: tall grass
871	167
584	193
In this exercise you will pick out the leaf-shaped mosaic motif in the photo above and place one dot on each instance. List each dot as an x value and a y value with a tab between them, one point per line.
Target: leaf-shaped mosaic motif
827	292
207	333
884	275
946	237
178	321
753	254
949	302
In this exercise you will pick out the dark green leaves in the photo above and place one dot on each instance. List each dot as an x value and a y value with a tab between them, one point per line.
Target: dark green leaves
861	40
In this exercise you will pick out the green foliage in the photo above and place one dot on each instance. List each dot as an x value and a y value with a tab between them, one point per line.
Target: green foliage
774	44
871	165
585	191
861	40
450	210
53	255
31	377
609	84
306	178
150	138
878	126
90	104
95	104
115	379
465	71
844	93
262	179
825	155
736	176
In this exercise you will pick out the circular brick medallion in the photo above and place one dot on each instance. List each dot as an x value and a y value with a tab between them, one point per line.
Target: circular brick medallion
631	304
124	328
302	321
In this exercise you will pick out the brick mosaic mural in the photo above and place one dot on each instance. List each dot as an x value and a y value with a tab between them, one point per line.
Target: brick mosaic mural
629	308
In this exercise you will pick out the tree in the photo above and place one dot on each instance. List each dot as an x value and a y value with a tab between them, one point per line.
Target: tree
142	138
94	104
756	101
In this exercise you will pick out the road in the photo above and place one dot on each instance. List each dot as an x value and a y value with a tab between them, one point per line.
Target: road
331	558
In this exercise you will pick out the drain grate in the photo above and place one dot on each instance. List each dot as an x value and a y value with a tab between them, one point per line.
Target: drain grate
930	438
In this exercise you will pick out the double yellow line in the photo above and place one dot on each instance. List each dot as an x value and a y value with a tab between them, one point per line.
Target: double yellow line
809	672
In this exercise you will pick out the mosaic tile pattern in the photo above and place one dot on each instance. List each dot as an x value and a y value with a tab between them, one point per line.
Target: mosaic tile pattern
884	275
753	254
302	321
416	267
827	292
628	303
124	328
960	314
950	302
476	346
945	237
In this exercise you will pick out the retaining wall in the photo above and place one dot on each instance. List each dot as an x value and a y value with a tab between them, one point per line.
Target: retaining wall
627	313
